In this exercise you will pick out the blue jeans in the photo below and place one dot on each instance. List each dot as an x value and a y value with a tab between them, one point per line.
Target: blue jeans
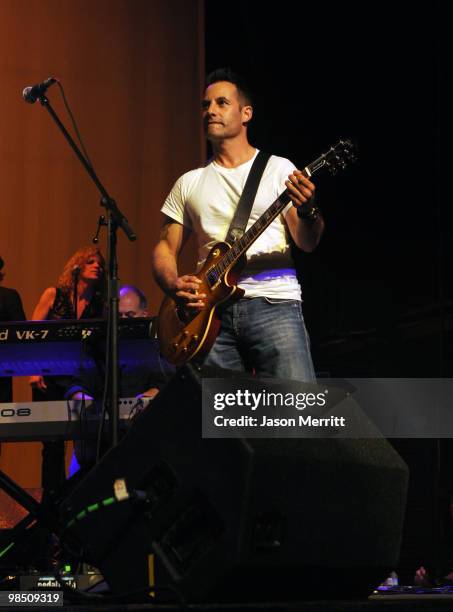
265	335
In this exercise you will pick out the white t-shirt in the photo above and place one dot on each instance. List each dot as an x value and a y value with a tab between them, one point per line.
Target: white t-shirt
204	200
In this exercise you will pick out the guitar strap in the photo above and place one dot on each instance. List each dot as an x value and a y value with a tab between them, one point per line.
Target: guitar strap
244	207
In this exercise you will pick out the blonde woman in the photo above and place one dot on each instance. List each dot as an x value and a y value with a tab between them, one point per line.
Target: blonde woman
86	267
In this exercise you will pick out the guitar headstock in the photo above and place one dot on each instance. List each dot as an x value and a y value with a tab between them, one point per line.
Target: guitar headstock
337	158
340	156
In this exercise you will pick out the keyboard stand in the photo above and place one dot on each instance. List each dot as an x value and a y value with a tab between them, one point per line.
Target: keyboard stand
38	513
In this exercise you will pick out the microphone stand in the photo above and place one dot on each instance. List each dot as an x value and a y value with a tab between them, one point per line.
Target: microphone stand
115	220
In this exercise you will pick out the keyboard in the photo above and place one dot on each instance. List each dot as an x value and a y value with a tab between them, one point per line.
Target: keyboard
72	347
60	420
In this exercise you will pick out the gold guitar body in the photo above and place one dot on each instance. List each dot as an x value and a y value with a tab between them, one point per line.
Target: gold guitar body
183	335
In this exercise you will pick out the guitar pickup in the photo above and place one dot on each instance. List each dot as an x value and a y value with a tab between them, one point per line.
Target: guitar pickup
212	277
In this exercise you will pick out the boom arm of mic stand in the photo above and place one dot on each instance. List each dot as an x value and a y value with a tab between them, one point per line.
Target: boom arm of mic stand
106	201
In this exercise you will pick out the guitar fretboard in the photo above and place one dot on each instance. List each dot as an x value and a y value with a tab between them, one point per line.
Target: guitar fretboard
243	244
335	158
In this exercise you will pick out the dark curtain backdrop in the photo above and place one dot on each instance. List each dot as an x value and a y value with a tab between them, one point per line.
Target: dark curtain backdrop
132	72
377	291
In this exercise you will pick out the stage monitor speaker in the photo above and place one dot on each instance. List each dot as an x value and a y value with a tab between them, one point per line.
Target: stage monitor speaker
239	519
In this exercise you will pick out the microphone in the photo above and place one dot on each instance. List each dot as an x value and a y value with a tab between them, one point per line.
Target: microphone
76	271
31	94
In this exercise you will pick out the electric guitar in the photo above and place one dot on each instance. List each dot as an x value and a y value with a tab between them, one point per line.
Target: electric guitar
184	335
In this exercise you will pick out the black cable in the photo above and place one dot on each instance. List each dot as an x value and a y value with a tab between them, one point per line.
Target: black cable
74	124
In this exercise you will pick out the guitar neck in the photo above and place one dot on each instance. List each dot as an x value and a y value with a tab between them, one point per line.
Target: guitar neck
242	245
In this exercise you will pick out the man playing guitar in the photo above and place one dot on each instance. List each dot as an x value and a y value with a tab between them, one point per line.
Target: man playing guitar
264	330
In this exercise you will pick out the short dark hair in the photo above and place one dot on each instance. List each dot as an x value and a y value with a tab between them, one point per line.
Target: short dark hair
138	292
226	74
